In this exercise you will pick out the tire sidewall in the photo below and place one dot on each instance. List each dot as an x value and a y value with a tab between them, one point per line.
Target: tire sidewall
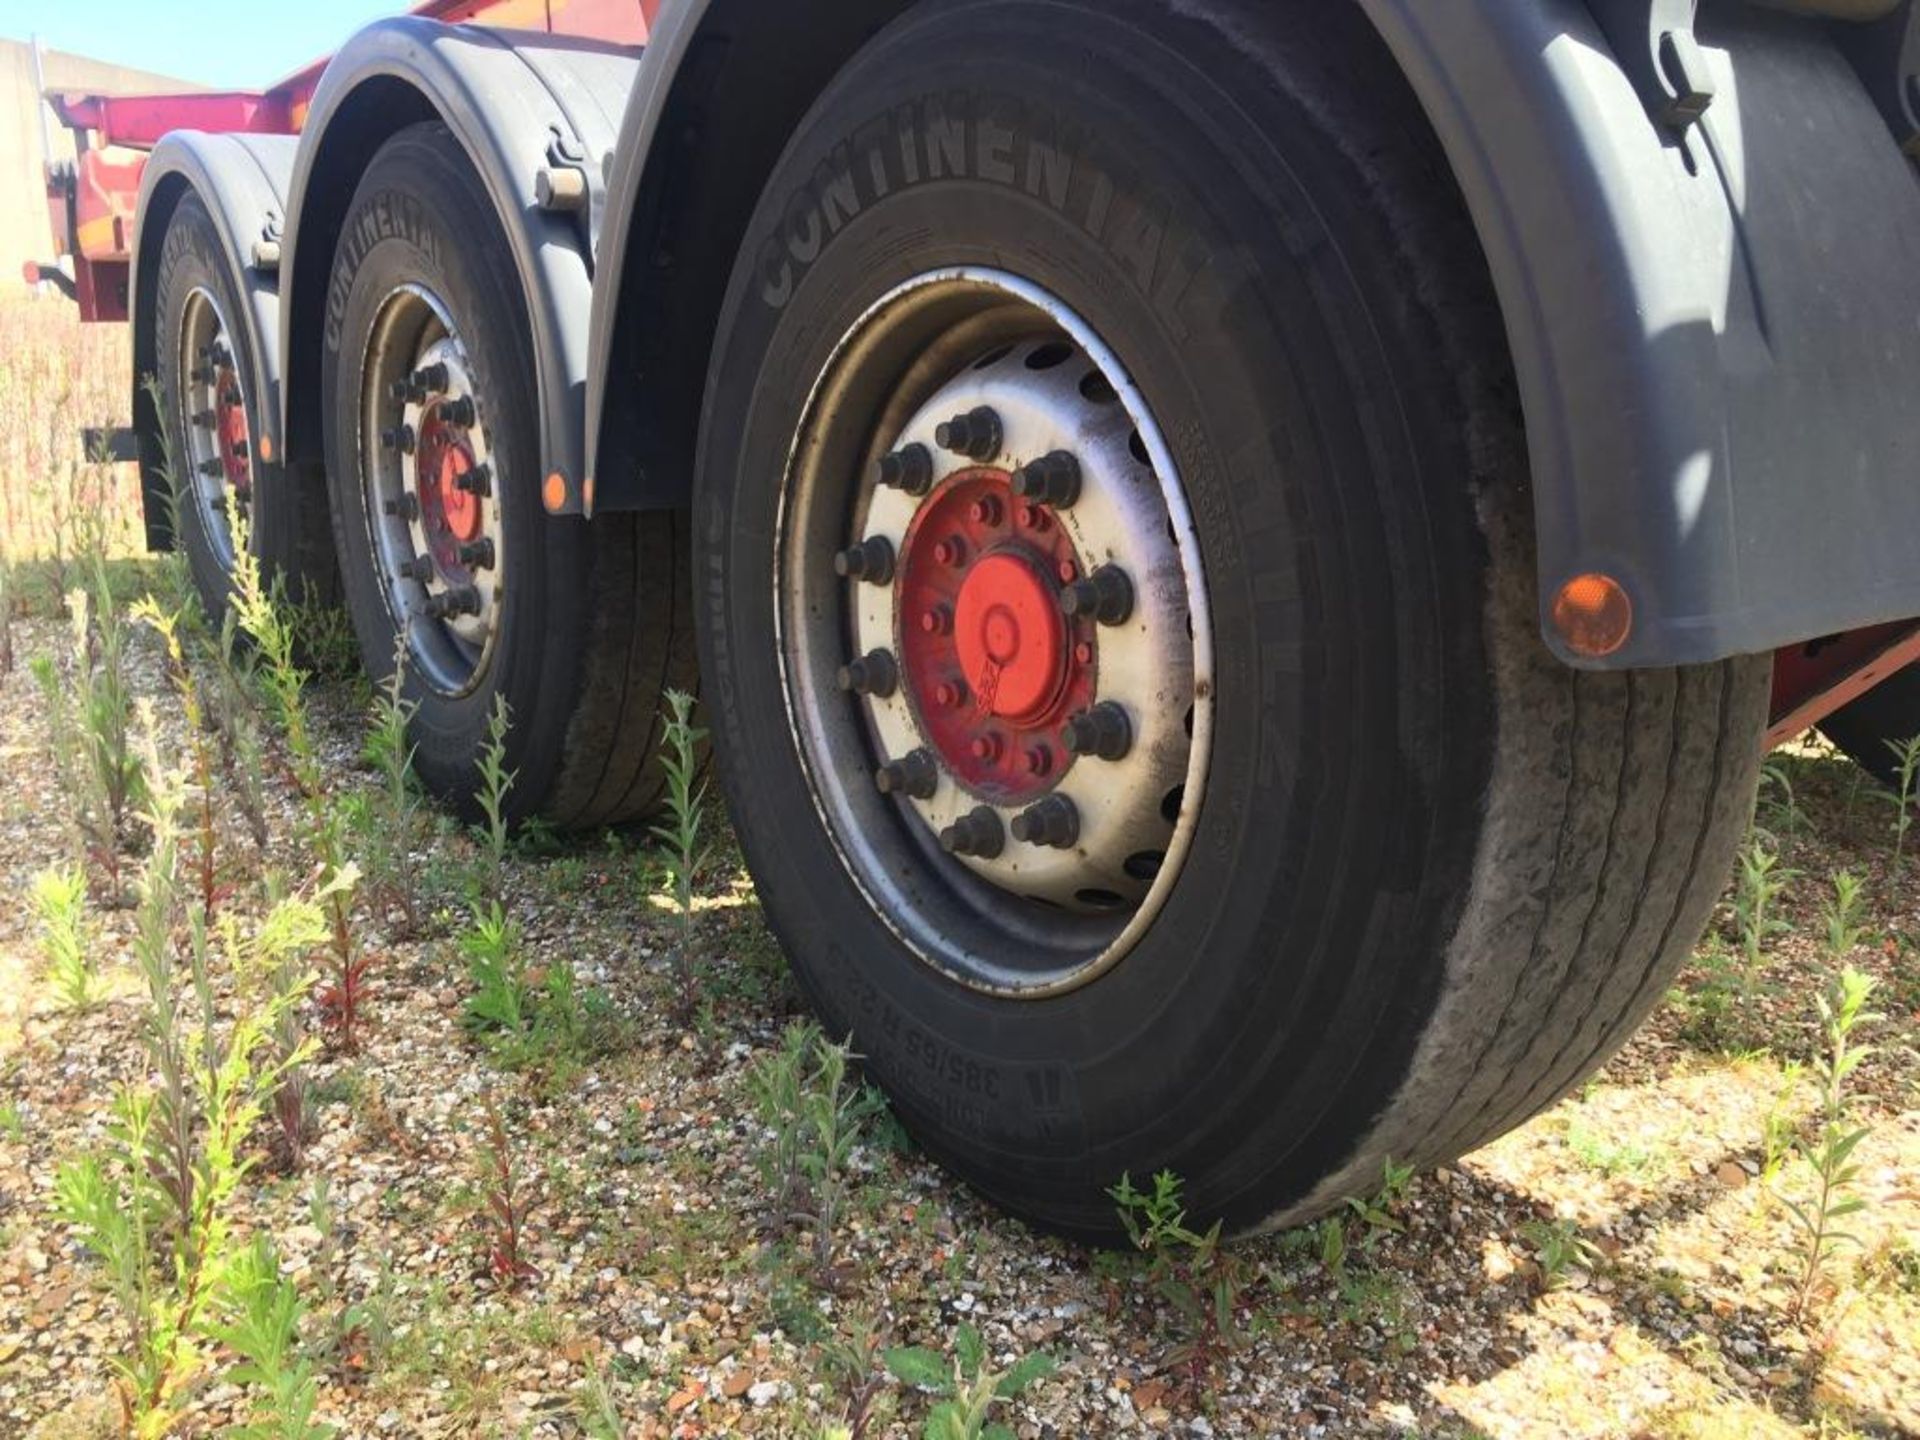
1191	1050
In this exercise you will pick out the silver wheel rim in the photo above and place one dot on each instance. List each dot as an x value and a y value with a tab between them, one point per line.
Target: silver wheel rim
217	439
1035	919
432	496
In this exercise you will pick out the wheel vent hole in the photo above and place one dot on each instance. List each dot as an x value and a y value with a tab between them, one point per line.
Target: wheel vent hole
1047	357
1189	722
1145	864
993	357
1096	387
1171	803
1100	899
1139	448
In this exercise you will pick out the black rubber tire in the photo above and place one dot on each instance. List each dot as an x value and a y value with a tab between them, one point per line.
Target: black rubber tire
597	624
1886	715
290	536
1438	877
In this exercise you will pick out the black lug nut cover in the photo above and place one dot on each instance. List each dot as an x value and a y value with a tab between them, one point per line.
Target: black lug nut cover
477	555
978	434
477	481
1106	596
458	412
916	776
1054	823
876	674
871	560
1104	732
399	438
1051	480
419	568
978	833
910	470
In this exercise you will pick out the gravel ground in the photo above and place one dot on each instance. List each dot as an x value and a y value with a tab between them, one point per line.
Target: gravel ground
1616	1268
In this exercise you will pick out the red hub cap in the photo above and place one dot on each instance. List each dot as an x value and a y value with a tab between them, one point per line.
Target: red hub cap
449	510
230	425
992	664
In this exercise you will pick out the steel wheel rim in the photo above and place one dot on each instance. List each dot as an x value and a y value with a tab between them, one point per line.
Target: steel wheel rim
217	439
430	491
1001	924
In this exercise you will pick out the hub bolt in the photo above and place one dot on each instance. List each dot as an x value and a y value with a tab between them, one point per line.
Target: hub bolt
1039	761
1106	596
458	412
1052	480
1034	517
876	674
406	508
938	620
871	560
910	470
986	748
952	694
952	553
978	434
478	555
478	481
1083	653
986	511
242	450
977	833
400	438
1054	823
917	776
1103	732
420	569
231	397
464	600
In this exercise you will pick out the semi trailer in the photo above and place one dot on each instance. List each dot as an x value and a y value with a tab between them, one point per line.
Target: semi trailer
1241	556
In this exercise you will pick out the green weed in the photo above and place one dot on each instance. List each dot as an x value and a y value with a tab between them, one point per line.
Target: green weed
968	1391
60	898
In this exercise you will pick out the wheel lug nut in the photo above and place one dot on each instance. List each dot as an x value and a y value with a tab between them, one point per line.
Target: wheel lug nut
242	450
977	435
477	482
477	555
978	833
231	397
211	468
1051	480
1039	761
428	379
985	749
406	392
917	776
951	694
938	620
951	552
876	674
1105	596
201	374
465	600
986	511
406	508
1054	823
1103	732
458	412
400	437
910	470
871	560
203	419
420	568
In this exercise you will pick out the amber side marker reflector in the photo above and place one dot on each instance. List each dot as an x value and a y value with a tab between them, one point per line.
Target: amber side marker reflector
266	448
587	493
554	493
1593	615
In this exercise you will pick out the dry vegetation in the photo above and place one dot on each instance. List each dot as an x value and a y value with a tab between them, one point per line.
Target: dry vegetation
319	1115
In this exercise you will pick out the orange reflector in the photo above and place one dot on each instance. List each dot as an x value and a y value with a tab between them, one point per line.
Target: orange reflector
586	494
1593	615
554	493
266	448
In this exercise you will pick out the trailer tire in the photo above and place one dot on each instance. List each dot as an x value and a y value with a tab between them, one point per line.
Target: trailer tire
1435	877
593	626
195	287
1886	715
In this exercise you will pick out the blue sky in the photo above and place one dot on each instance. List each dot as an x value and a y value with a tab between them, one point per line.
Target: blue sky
233	44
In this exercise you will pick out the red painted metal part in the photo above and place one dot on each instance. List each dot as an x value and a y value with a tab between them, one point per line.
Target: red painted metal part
449	512
230	429
992	666
93	204
1812	681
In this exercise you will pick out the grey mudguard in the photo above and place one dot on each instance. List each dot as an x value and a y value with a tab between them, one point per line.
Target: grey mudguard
243	182
1715	324
519	103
